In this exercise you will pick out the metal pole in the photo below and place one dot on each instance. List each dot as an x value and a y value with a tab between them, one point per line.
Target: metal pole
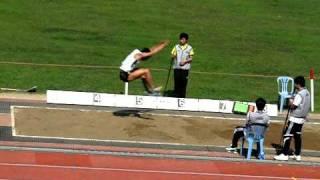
284	127
168	78
126	88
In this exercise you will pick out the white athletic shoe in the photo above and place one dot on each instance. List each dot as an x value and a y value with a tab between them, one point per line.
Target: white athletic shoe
281	157
231	149
157	89
294	157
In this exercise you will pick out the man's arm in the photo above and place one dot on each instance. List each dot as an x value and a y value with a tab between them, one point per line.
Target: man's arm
248	119
189	58
268	120
158	47
295	102
174	53
153	50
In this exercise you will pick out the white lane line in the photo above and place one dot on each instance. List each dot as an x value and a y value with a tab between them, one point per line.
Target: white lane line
100	140
143	171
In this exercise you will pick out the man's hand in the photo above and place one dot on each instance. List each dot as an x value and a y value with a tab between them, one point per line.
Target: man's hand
291	105
165	42
182	63
153	50
290	101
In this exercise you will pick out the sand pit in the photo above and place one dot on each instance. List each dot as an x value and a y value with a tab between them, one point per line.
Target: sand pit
132	125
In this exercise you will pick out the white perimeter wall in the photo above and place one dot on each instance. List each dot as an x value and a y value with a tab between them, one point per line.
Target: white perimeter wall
149	102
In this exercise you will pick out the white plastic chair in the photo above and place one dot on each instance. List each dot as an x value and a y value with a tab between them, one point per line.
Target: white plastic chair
283	89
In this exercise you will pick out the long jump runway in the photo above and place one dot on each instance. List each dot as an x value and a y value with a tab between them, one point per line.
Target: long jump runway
58	165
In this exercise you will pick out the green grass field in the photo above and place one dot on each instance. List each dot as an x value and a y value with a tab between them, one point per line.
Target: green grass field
274	37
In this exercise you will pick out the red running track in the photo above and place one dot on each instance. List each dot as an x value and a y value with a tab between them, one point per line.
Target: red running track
48	165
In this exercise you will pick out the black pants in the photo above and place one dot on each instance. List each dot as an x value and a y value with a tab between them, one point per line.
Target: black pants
180	82
124	76
292	130
237	134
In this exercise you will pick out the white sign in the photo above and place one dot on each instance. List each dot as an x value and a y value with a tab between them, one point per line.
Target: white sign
99	99
167	103
188	104
149	102
146	102
125	101
226	106
272	109
69	97
209	105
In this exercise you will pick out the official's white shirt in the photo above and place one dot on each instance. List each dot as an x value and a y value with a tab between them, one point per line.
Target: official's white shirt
129	63
297	101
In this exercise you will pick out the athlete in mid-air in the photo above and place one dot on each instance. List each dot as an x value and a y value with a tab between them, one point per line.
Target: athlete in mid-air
129	70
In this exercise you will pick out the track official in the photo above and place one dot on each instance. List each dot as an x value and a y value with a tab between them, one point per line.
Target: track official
182	55
300	109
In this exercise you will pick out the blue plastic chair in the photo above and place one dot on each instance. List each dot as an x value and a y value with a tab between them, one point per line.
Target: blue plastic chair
283	89
255	134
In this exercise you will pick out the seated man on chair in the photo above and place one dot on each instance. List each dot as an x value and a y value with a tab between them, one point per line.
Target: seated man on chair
129	70
258	117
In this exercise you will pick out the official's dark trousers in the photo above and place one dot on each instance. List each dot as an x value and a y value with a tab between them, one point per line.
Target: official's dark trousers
293	130
180	82
237	134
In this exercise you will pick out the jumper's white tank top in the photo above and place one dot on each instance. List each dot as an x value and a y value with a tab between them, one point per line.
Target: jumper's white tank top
129	63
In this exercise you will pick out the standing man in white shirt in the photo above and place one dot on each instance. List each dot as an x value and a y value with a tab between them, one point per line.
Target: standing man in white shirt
129	70
300	107
182	55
